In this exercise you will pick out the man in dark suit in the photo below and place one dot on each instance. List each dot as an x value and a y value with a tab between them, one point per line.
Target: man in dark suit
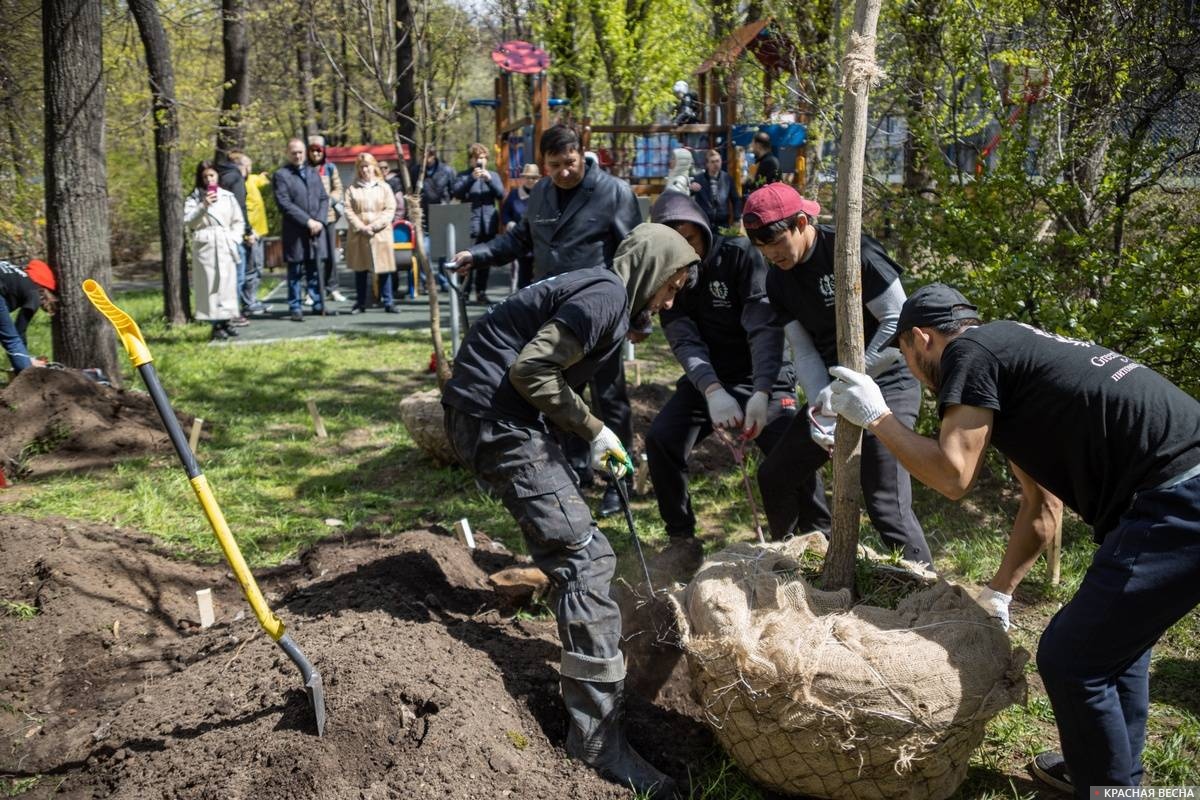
305	205
714	192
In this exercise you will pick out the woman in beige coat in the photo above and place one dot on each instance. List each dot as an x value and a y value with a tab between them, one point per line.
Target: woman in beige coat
370	207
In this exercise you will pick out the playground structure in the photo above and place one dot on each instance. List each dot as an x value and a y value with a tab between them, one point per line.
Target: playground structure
639	153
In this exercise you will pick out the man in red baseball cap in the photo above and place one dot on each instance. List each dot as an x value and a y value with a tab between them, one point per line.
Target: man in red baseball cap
783	225
22	293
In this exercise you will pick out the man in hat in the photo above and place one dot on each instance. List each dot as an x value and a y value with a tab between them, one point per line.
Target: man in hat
801	287
1119	444
22	293
515	378
729	342
512	211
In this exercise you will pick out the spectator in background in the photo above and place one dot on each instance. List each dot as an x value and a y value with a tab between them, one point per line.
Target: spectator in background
301	197
766	165
679	171
230	178
215	219
714	192
511	211
333	188
256	219
22	293
481	187
370	211
435	190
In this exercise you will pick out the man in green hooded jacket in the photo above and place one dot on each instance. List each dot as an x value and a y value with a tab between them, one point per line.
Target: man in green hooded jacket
517	374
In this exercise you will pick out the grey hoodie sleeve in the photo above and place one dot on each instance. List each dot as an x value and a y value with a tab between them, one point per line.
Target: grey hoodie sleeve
691	351
886	308
810	367
537	375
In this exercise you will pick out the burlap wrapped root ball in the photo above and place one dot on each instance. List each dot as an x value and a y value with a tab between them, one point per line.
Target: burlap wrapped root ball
422	415
812	695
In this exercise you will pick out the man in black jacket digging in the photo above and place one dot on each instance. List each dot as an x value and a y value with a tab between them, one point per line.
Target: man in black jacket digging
574	220
556	334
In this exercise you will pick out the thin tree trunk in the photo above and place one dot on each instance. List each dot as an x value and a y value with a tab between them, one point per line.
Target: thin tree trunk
304	63
406	96
77	232
236	96
858	73
166	152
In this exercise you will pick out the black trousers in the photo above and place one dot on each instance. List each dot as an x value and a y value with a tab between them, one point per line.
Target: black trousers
610	402
527	470
794	494
683	423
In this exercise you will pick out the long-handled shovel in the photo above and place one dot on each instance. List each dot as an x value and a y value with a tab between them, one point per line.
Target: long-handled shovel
737	448
619	483
139	354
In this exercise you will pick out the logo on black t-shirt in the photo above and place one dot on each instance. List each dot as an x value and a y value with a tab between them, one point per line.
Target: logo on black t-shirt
720	294
825	284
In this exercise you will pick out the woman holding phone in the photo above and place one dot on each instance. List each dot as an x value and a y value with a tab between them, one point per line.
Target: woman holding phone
482	188
215	220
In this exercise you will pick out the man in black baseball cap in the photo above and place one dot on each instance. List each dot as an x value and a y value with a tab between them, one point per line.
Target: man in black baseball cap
1120	445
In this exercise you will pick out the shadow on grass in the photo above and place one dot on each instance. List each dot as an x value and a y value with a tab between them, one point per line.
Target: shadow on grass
1176	682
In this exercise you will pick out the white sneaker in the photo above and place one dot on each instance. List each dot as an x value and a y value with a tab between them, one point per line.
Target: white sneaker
337	296
307	299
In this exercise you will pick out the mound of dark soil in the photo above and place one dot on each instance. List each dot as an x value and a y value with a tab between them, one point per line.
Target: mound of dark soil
112	691
59	420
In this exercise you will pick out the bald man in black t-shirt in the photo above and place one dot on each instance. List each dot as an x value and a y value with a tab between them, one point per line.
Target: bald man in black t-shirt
1120	445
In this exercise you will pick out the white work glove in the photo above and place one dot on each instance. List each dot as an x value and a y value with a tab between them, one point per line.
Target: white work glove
996	605
723	410
856	397
608	454
822	427
820	404
756	414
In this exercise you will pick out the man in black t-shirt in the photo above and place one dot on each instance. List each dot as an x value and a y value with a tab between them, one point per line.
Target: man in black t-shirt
729	341
766	169
783	226
22	293
555	334
1120	445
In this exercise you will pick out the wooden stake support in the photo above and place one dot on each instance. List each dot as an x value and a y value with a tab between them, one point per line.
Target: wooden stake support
318	423
463	529
205	602
194	437
636	366
1054	555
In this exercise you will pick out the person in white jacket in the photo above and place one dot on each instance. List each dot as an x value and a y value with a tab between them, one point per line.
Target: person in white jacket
679	171
215	220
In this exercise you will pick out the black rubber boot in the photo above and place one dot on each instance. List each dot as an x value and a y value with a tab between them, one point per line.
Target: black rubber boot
596	738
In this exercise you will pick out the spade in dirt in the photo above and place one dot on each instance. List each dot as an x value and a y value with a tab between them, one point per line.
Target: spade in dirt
139	354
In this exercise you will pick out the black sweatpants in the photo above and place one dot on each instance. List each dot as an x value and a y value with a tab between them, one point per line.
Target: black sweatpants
794	494
683	423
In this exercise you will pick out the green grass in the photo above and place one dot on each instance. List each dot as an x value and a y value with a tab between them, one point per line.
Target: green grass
18	609
14	787
277	483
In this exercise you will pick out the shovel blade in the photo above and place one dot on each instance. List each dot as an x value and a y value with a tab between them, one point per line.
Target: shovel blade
313	686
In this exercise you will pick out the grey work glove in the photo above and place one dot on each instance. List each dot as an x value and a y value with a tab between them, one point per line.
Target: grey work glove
723	410
996	605
886	357
856	397
822	427
756	414
609	455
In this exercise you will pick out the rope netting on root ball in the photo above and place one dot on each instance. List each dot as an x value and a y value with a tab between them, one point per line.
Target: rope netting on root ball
814	695
422	415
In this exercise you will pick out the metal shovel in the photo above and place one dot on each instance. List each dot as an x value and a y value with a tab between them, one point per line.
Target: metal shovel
139	354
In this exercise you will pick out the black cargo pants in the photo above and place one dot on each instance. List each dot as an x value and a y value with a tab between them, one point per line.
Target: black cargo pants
527	470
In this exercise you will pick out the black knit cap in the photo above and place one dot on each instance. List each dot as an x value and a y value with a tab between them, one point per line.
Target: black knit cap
930	306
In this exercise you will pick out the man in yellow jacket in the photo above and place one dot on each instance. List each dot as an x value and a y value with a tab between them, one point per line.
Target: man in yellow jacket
256	216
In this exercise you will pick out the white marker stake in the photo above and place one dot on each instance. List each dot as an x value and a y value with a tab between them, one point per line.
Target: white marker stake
194	438
204	601
318	423
463	529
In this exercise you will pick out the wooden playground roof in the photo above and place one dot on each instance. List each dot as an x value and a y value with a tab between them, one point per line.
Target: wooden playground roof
771	49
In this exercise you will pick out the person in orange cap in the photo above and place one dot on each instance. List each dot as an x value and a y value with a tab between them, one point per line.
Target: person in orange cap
22	293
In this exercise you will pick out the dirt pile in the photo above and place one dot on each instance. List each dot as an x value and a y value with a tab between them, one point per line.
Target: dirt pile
59	420
111	690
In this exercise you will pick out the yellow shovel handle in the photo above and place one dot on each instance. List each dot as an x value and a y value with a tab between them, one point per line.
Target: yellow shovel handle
127	329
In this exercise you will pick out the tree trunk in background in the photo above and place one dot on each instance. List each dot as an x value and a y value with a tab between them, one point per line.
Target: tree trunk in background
405	101
236	96
77	233
166	152
858	73
304	72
